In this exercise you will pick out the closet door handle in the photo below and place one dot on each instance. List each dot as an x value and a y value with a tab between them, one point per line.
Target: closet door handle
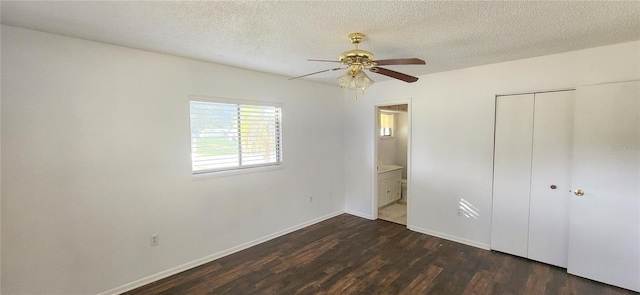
578	192
553	186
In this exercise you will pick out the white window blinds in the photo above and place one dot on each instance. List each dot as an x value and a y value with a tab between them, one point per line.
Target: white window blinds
227	136
386	124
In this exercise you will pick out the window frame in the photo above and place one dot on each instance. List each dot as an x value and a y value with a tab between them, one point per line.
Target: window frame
251	168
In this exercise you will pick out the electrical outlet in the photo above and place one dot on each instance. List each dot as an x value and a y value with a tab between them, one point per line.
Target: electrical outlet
310	198
155	240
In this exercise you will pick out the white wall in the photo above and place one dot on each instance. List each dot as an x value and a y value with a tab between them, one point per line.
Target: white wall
387	150
402	133
394	150
96	158
0	167
452	132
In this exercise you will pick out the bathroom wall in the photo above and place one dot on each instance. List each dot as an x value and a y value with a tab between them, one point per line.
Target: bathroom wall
393	150
402	136
387	150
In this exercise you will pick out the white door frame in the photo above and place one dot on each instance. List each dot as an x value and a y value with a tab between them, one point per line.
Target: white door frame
376	139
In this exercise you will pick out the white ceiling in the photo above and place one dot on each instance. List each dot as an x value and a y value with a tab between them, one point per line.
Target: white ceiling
279	37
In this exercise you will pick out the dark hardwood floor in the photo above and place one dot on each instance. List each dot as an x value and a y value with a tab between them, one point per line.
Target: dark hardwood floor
352	255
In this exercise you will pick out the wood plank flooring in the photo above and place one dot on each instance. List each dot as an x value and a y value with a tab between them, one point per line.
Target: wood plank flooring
352	255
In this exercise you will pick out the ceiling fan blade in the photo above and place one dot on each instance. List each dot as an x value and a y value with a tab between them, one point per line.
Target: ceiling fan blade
394	74
329	70
400	61
323	60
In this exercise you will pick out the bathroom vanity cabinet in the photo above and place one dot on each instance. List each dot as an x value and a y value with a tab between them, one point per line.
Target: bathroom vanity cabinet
389	185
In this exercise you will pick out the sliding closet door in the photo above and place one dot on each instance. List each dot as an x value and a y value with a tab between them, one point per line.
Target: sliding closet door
512	174
551	177
604	238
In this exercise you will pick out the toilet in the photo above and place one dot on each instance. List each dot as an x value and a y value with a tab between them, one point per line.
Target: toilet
403	194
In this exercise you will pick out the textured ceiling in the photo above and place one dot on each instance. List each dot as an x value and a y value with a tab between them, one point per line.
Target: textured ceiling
279	37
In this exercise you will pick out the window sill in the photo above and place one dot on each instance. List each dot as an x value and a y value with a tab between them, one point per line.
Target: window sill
226	173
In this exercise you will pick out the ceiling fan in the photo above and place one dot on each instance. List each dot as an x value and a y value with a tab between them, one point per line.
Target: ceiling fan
357	60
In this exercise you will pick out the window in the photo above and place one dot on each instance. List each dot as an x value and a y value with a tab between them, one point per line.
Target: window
386	125
230	136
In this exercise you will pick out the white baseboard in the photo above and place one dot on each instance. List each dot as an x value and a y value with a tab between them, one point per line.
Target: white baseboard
450	238
354	213
209	258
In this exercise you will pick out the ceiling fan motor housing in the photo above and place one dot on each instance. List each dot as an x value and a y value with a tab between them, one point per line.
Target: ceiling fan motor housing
356	59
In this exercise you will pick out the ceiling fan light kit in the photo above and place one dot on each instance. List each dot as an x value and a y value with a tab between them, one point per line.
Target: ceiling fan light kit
353	81
357	60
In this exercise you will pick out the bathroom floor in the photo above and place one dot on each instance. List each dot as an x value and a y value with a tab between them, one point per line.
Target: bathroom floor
395	212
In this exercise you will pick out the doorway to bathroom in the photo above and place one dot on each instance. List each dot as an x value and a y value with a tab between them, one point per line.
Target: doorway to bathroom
392	133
